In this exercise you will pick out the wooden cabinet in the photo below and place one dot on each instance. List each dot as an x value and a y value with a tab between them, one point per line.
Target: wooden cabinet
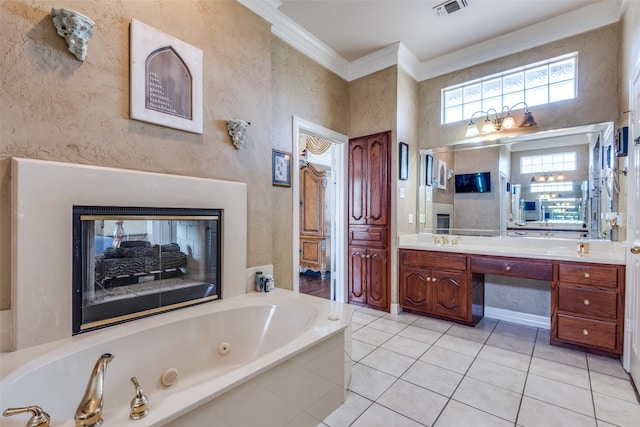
369	204
438	284
315	225
588	306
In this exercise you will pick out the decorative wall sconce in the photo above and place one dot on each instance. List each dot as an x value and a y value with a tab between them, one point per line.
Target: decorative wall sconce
75	28
547	178
499	121
238	131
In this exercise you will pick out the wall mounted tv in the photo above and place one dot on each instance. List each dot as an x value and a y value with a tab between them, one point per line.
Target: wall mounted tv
479	182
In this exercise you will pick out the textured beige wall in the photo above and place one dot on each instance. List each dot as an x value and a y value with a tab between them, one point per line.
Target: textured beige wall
407	128
598	62
54	107
303	88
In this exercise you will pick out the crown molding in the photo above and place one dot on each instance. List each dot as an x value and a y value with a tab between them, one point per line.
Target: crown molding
562	26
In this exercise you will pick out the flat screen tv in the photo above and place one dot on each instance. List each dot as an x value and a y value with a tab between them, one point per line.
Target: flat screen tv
479	182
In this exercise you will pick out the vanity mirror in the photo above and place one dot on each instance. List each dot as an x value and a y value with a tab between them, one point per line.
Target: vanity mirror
559	183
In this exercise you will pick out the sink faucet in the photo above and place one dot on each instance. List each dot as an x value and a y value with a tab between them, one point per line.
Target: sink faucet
89	412
39	418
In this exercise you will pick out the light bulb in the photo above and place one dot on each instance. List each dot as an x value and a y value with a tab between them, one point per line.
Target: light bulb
508	122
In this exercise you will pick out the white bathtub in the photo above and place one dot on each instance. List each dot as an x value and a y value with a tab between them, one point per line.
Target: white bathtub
286	364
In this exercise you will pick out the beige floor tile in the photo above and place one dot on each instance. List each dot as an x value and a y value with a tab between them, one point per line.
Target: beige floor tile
406	346
369	382
362	318
614	387
448	359
360	349
420	334
432	377
560	394
560	372
371	311
371	336
518	331
489	398
486	324
354	405
403	396
535	413
459	345
433	324
391	326
388	361
504	357
616	411
498	375
469	333
403	317
561	355
520	345
457	414
379	416
606	365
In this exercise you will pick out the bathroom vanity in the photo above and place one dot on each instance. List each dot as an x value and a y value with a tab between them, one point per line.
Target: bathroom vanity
447	280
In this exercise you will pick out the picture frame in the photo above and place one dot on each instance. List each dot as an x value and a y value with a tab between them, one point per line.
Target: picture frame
428	179
403	156
442	175
166	79
281	168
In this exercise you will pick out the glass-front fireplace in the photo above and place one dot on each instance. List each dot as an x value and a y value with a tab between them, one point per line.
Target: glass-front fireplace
131	262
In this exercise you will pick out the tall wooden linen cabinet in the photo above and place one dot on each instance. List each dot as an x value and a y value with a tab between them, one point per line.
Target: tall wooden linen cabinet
369	220
315	220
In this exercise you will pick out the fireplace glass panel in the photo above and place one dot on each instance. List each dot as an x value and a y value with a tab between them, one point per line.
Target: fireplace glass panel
134	262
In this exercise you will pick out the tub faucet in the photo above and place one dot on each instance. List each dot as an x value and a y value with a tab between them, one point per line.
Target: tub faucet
89	412
39	418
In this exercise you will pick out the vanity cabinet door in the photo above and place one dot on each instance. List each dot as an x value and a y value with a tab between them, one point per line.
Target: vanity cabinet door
376	280
357	275
414	288
450	294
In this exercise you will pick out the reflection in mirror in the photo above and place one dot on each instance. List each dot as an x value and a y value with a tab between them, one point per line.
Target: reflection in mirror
558	183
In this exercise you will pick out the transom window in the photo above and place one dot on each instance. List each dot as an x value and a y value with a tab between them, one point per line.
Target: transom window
556	162
544	188
536	84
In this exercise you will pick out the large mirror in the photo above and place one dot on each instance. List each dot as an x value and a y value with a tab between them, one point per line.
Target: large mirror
560	183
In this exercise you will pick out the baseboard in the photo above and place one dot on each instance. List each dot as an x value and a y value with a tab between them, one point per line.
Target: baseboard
395	309
517	317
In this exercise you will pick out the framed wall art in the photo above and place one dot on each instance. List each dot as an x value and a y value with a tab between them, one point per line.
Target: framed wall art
281	168
165	79
403	155
428	179
442	175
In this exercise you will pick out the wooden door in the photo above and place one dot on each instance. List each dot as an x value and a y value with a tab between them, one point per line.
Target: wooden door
357	274
378	285
378	170
358	182
414	287
311	201
450	294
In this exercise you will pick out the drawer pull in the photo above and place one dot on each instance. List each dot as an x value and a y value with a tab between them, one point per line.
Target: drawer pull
367	256
586	302
587	275
428	279
585	332
434	279
508	268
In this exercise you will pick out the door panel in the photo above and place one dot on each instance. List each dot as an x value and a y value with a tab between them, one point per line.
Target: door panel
378	155
414	287
311	202
377	276
450	294
357	181
357	275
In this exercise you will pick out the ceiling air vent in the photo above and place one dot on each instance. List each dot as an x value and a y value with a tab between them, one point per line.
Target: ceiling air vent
449	7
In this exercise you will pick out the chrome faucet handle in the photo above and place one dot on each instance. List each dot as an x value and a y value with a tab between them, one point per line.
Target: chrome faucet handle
139	404
39	418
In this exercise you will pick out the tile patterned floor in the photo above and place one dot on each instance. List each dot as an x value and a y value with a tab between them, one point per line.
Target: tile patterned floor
416	371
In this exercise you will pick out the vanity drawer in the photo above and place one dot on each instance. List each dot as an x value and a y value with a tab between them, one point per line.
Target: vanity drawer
592	333
589	274
368	236
431	259
588	302
512	267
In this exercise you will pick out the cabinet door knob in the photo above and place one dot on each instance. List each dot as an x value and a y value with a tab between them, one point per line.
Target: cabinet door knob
428	279
367	256
585	332
362	256
434	279
586	302
508	268
587	275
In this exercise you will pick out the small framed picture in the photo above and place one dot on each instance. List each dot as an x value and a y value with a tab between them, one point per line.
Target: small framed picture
403	155
281	168
442	175
429	170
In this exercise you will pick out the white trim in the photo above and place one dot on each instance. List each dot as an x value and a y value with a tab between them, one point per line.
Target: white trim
517	317
559	27
310	128
395	309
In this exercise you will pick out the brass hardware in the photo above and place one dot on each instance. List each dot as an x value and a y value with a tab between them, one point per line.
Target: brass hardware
39	418
434	279
139	404
89	412
587	275
428	279
508	268
367	256
635	250
585	332
362	256
586	302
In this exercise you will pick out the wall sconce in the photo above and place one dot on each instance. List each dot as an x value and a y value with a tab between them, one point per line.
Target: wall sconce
500	121
547	178
238	131
450	174
75	28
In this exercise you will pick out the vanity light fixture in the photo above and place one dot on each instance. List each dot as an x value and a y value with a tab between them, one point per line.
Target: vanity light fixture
495	122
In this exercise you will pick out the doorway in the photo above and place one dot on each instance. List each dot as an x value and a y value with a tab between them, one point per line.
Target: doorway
334	166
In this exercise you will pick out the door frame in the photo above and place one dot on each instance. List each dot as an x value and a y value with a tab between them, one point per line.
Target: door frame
340	238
